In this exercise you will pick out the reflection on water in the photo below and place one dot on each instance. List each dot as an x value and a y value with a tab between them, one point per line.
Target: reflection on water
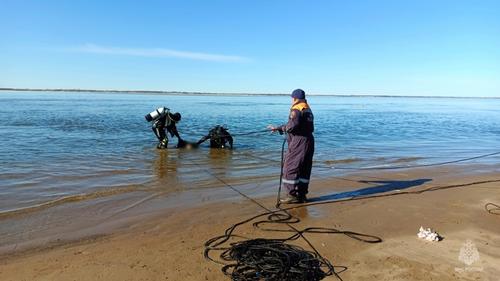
165	168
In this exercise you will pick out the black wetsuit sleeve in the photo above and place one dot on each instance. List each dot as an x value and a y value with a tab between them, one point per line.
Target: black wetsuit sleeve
203	139
172	129
175	132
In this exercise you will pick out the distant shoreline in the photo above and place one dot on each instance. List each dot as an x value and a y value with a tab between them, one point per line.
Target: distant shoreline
180	93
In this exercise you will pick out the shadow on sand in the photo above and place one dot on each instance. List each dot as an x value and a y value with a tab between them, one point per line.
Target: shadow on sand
379	187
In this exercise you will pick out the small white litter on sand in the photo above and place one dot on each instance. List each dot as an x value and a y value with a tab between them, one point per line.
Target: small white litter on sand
428	234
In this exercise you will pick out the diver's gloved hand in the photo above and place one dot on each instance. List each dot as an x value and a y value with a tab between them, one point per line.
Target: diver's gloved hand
203	139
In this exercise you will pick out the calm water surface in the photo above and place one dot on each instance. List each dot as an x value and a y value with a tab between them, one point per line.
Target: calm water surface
56	145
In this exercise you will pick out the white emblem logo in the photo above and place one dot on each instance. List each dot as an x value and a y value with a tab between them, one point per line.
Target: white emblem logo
468	255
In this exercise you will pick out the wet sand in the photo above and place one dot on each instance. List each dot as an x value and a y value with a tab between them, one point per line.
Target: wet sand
168	244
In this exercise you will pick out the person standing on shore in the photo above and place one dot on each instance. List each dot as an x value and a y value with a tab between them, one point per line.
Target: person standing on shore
298	160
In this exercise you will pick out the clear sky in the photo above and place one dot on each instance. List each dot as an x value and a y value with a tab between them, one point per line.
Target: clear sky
331	47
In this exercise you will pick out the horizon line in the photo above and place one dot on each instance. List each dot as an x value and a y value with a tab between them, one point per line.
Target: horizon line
164	92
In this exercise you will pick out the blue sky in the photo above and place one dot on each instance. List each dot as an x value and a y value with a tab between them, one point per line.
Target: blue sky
325	47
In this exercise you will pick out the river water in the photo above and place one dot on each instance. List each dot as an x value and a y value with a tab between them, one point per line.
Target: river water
62	148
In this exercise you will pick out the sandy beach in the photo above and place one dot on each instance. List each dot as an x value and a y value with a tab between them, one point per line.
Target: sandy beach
156	140
169	245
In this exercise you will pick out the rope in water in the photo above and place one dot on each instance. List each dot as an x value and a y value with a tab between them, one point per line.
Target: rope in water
391	167
250	133
232	134
419	166
376	167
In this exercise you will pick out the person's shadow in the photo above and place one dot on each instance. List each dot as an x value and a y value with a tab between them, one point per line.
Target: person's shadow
380	187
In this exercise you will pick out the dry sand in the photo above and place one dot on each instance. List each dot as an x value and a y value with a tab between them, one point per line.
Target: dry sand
169	246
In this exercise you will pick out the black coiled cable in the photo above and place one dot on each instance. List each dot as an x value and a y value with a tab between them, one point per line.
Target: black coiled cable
268	259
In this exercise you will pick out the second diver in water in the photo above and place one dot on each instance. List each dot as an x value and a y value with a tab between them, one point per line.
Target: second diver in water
219	138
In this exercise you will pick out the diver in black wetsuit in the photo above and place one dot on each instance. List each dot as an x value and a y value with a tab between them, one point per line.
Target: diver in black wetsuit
219	138
163	120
